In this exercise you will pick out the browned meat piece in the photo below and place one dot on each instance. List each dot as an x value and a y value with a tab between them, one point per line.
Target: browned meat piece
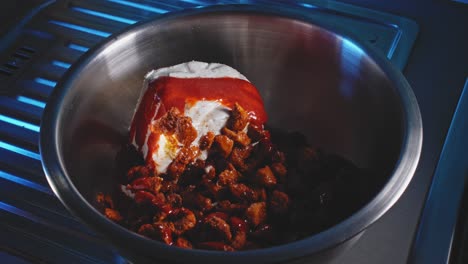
169	187
240	137
222	145
224	206
214	245
243	193
278	156
183	243
187	155
183	220
221	215
228	176
219	162
239	229
139	172
256	213
184	157
213	189
100	198
230	208
198	214
280	171
199	164
105	200
173	122
185	132
162	232
142	197
239	156
147	230
206	141
265	177
217	228
279	202
256	133
210	172
204	203
238	240
151	184
194	199
193	173
157	183
260	155
263	232
174	199
168	122
238	225
160	216
113	215
159	231
239	118
160	201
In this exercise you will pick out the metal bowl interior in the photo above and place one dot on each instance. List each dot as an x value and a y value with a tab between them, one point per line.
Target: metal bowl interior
345	99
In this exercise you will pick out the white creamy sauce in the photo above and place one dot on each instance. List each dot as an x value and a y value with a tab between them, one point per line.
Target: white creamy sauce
207	116
196	69
165	153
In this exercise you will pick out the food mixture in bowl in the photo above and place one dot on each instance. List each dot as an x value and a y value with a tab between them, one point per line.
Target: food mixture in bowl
202	170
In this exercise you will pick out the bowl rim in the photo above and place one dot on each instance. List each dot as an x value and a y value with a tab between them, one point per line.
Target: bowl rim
68	194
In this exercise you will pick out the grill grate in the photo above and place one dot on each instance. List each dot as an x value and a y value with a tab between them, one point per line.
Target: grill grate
34	223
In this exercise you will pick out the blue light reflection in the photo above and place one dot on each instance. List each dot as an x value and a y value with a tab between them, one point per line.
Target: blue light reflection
307	5
195	2
61	64
25	182
78	47
19	123
395	42
45	82
17	211
104	15
140	6
19	150
81	28
30	101
351	56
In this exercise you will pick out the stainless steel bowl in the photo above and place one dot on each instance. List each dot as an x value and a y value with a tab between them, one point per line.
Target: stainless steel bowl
344	96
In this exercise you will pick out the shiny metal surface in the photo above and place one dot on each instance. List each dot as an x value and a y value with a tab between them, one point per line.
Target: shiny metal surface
346	99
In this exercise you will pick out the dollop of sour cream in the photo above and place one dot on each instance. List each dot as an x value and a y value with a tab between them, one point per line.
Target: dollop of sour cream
206	115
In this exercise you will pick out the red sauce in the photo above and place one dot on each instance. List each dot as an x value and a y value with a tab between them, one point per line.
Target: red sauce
167	92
